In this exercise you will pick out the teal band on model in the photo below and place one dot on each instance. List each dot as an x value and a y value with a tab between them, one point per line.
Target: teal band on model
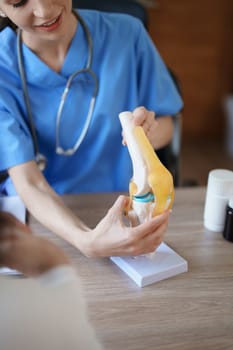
148	197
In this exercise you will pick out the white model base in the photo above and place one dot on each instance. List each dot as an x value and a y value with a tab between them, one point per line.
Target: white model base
145	270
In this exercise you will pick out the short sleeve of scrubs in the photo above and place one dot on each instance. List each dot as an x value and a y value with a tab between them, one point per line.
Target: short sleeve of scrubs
15	140
156	86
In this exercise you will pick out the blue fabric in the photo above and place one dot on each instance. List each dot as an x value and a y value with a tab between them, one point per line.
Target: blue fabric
130	72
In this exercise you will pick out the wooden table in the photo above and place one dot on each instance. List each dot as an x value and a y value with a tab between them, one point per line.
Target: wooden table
193	310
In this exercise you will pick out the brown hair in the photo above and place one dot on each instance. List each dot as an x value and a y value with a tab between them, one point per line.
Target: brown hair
6	22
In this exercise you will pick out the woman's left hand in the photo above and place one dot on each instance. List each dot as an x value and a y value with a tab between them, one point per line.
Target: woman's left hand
158	130
146	119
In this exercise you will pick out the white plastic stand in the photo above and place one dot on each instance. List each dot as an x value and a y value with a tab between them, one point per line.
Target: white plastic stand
145	270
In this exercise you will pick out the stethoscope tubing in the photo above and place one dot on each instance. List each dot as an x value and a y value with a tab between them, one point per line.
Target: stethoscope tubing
70	151
41	159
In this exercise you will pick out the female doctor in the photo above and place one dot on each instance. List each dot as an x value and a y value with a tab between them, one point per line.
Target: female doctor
64	78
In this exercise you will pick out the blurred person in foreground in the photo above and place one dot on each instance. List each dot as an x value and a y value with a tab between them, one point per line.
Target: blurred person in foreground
47	311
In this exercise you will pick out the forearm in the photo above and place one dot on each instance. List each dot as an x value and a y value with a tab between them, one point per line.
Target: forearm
48	208
164	131
111	237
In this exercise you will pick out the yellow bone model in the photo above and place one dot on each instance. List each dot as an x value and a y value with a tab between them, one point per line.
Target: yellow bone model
150	176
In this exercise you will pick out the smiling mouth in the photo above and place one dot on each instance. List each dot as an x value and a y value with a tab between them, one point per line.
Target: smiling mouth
50	23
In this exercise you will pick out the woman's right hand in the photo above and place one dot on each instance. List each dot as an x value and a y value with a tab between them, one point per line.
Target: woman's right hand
112	237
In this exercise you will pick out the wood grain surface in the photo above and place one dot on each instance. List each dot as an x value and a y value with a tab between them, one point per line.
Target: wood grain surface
191	311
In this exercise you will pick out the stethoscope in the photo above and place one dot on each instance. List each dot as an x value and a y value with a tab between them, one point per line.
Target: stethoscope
40	158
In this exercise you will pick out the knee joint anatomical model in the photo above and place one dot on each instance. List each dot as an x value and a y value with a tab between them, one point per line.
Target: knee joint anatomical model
151	187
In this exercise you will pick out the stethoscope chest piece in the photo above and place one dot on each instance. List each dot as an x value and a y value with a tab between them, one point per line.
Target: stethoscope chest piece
41	161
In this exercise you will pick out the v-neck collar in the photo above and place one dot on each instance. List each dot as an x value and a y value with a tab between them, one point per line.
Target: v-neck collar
38	72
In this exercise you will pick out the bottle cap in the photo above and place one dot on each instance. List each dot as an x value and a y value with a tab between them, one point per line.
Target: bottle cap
219	190
220	182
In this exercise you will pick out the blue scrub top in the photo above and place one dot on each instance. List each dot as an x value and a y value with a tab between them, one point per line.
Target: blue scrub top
131	73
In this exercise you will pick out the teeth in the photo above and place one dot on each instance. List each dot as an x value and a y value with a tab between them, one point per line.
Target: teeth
50	23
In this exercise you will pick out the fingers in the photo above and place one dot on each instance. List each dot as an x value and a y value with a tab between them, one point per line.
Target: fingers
113	237
149	226
146	237
146	119
156	225
133	218
152	241
140	115
120	206
143	117
145	246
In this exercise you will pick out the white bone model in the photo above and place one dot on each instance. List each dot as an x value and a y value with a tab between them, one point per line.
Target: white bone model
151	187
